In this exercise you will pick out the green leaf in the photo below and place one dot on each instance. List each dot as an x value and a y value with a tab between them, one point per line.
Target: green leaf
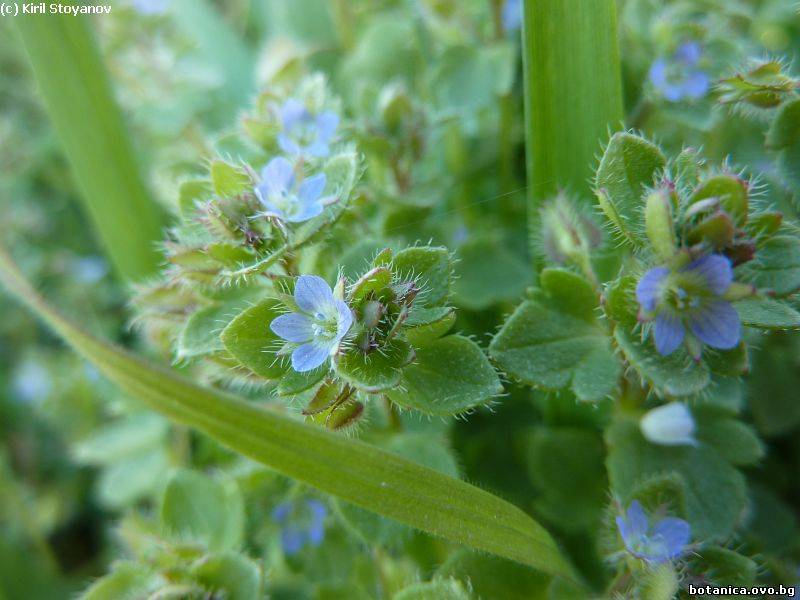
566	466
629	164
200	333
132	478
777	267
468	78
430	267
492	577
767	313
486	273
76	92
555	341
228	180
735	441
715	491
349	469
449	376
424	325
251	341
196	508
772	387
126	582
620	302
724	567
448	589
784	138
673	375
376	371
732	193
229	575
124	437
421	448
293	383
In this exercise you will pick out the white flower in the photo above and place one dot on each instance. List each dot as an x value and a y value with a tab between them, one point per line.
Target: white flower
669	425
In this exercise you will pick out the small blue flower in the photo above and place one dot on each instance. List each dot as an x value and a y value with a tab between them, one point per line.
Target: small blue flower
665	540
282	196
150	7
678	77
512	15
304	133
31	381
691	297
318	328
302	522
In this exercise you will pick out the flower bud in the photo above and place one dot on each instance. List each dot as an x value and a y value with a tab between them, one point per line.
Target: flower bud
659	224
762	86
567	235
669	425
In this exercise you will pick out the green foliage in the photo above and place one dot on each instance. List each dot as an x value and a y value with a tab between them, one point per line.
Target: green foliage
71	77
714	490
556	340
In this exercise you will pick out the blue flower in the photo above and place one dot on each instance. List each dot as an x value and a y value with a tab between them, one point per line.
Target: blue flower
318	328
302	522
678	77
665	540
283	197
304	133
691	297
512	15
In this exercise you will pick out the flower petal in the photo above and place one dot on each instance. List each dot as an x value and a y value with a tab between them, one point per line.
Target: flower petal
304	212
345	319
649	287
310	189
287	144
276	177
669	425
715	269
689	53
674	534
309	356
716	324
292	112
317	148
658	72
668	332
281	512
313	294
327	123
292	540
293	327
696	85
633	525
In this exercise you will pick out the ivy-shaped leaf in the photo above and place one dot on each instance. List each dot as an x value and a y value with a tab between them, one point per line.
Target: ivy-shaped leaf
673	375
556	341
450	376
250	340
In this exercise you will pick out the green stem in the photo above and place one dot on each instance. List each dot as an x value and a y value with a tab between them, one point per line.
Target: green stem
74	87
573	93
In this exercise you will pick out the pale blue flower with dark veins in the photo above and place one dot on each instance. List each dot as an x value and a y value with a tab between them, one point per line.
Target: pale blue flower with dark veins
665	540
283	197
678	77
512	15
302	522
318	328
692	298
304	133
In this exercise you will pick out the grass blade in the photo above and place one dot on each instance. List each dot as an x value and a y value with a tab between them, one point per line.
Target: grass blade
357	472
74	86
573	93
